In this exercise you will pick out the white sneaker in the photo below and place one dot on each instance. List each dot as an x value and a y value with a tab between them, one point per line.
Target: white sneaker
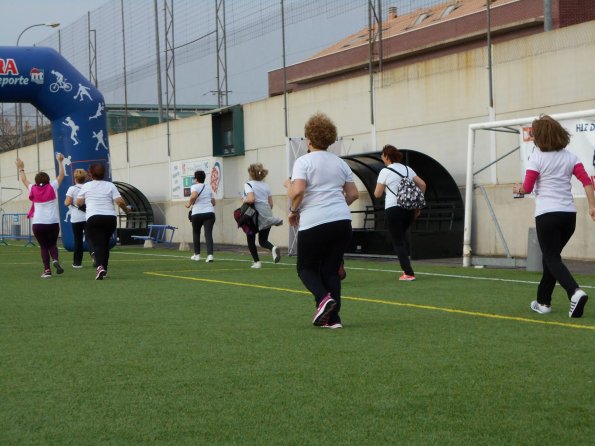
195	257
541	309
577	303
209	258
276	254
256	265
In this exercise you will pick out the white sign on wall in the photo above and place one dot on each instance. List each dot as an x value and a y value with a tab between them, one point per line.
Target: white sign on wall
582	144
182	174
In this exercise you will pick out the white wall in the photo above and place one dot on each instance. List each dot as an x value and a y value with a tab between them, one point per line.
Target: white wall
426	107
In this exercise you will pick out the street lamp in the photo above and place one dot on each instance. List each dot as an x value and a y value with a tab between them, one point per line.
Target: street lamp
50	25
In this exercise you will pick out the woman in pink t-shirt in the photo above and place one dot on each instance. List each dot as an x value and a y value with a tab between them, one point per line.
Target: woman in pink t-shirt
45	219
549	172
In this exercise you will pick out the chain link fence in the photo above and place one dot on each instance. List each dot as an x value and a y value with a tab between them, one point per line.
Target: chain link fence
122	44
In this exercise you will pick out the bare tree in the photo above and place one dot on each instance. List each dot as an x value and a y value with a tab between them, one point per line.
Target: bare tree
9	138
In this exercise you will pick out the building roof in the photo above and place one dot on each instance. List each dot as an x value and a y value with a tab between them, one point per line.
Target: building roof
447	28
421	18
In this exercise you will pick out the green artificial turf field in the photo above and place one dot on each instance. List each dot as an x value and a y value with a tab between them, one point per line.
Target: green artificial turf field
171	351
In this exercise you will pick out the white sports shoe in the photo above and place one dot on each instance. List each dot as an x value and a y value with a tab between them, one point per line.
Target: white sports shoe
276	254
195	257
256	265
209	258
577	303
541	309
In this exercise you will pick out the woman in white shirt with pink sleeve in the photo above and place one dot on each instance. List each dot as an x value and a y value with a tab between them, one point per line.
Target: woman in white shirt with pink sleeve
549	172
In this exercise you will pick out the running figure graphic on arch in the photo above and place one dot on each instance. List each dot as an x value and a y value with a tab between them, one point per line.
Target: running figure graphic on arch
67	162
99	112
100	140
73	129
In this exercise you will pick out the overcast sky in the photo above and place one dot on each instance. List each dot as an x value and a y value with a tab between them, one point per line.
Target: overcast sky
16	15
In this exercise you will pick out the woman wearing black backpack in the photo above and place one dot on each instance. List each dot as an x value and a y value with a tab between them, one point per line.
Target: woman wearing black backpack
399	214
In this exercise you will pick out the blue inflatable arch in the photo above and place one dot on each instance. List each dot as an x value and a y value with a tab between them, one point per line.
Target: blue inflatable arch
76	109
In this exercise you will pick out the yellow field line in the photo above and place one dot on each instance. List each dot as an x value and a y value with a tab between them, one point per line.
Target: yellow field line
384	302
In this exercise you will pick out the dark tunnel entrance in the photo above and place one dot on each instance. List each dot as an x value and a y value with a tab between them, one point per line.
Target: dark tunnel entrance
436	233
137	221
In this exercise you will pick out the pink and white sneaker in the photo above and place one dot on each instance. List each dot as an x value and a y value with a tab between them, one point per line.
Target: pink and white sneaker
325	306
101	273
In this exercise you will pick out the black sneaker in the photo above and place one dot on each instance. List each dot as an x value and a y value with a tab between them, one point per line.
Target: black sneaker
46	274
59	269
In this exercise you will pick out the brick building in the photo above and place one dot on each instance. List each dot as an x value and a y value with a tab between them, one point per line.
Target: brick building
426	33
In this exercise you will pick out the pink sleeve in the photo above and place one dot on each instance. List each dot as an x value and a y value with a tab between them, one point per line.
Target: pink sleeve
530	179
582	175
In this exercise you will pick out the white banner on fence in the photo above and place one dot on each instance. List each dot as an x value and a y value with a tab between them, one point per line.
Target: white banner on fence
182	173
582	143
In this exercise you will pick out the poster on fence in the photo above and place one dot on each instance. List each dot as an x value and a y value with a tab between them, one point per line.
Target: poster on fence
182	174
582	144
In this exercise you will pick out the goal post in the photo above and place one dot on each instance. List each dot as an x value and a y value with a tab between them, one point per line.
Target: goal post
469	183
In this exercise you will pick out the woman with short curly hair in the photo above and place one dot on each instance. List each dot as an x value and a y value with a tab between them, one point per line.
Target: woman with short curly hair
320	191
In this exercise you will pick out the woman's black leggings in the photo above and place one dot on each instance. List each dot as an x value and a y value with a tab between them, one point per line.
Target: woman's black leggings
198	220
398	221
100	229
554	229
320	253
78	231
263	240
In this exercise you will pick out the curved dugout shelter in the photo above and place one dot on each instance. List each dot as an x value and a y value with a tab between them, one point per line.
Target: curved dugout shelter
436	233
137	221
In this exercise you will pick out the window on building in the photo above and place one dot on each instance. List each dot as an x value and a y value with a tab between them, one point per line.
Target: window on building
448	10
421	18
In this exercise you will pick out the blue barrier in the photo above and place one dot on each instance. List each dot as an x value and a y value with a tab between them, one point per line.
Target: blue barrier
17	227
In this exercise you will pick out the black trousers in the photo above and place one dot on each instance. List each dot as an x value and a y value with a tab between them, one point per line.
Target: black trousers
78	231
198	221
554	230
320	253
398	221
263	240
100	229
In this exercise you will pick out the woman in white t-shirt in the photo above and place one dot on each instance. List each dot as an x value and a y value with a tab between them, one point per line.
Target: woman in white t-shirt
398	219
44	215
203	214
78	218
257	192
320	191
99	197
549	172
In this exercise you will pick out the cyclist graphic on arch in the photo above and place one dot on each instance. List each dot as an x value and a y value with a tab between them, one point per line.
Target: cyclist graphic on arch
60	83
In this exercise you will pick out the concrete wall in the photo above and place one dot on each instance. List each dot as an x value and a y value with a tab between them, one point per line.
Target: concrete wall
426	107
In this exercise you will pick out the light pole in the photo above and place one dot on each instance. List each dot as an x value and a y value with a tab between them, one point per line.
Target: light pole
51	25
